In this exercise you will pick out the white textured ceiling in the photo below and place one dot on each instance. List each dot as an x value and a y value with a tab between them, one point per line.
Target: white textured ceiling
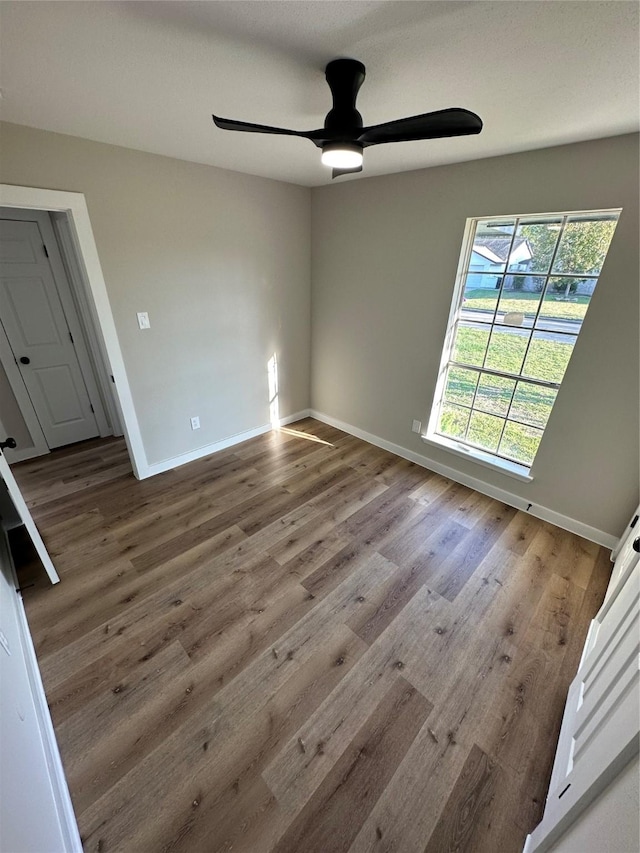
148	75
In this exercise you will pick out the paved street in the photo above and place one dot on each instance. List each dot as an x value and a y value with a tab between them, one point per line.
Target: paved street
563	327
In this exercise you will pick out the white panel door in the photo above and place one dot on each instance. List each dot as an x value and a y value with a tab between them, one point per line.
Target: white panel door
34	321
601	723
626	555
35	810
608	707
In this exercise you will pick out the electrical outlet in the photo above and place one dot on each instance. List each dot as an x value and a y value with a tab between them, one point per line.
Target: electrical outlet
195	423
416	426
143	320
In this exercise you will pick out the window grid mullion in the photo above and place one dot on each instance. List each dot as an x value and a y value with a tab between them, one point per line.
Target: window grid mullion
475	394
504	418
495	452
503	375
504	426
506	265
567	274
505	421
542	296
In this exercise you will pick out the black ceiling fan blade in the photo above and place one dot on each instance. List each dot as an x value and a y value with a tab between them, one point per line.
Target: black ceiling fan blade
232	124
442	123
335	173
318	137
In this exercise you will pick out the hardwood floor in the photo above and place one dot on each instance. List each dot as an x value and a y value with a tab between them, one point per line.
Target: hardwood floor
302	643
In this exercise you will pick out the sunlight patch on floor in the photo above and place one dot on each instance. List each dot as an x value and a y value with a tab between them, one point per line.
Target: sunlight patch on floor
297	434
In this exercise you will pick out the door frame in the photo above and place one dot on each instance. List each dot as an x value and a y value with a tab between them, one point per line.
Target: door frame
24	515
63	238
74	205
69	302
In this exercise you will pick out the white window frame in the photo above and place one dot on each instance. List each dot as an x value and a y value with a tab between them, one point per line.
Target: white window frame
517	470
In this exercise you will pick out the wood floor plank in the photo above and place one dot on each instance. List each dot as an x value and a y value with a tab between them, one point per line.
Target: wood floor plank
432	487
113	709
296	772
465	813
408	540
350	790
301	643
380	612
243	790
380	520
218	754
435	760
455	571
174	601
237	701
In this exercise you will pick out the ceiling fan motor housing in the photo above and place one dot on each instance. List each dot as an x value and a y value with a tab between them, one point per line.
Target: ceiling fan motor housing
345	77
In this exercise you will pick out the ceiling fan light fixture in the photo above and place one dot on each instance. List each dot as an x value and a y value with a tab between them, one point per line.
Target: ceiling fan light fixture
343	136
342	155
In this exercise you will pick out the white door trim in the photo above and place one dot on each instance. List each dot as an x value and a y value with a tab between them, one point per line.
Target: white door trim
27	519
23	400
77	279
75	205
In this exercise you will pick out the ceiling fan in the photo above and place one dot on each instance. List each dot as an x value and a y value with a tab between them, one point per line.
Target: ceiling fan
343	137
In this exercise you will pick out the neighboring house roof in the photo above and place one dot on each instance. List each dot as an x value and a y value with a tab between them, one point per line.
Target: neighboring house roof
496	248
484	252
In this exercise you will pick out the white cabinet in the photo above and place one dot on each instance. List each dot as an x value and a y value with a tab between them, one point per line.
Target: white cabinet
599	734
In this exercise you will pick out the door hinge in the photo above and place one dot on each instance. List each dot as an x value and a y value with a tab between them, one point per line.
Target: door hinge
112	379
70	337
46	251
92	409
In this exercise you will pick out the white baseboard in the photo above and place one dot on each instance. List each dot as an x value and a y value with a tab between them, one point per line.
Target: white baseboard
208	449
290	419
565	522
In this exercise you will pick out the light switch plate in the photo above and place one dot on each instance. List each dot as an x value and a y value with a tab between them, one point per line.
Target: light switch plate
143	320
416	426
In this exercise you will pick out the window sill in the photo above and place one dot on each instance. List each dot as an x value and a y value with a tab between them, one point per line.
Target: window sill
511	469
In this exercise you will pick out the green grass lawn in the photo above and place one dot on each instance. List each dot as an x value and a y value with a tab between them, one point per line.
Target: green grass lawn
555	305
532	404
546	360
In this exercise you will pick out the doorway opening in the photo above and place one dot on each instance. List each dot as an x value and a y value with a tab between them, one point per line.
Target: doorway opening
54	382
63	385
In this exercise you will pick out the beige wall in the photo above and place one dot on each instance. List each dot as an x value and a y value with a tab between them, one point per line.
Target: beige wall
384	257
220	260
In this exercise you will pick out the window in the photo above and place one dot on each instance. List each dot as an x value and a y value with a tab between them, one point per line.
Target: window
524	286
